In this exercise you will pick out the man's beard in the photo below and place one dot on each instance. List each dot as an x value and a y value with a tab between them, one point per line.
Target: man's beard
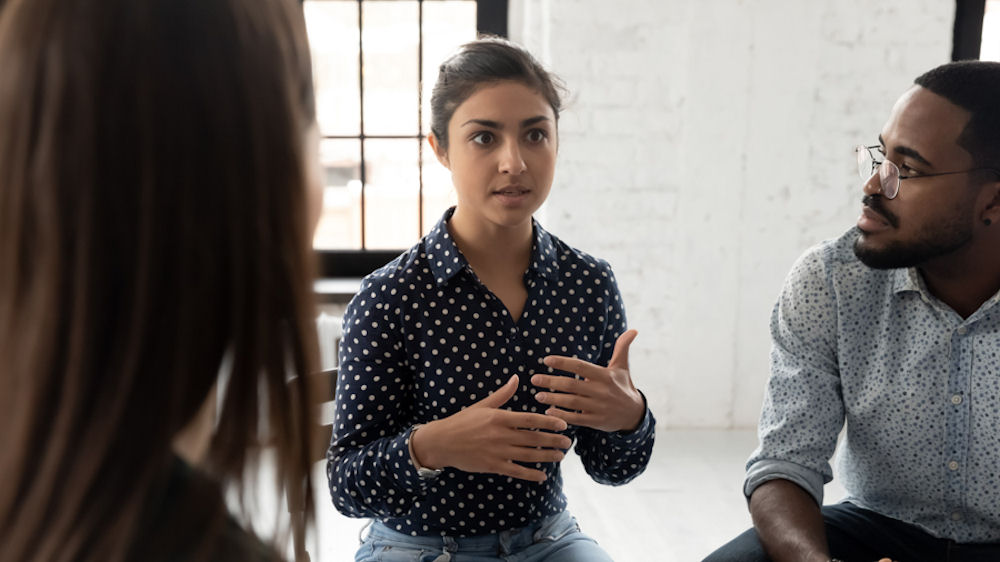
932	242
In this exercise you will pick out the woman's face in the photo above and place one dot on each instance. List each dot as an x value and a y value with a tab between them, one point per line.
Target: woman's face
501	153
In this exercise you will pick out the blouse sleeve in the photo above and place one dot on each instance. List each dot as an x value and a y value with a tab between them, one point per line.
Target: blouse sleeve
368	463
615	457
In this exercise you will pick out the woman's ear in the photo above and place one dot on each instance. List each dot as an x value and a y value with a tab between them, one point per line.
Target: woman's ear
439	151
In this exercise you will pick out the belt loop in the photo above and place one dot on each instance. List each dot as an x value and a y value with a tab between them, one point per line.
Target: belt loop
361	532
504	541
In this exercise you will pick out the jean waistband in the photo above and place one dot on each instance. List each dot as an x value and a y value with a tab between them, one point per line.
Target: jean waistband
551	527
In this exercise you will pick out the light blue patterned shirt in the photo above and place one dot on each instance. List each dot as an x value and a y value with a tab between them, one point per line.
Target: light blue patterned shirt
917	385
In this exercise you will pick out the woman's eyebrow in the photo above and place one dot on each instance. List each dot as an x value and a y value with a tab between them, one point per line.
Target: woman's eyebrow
495	125
484	123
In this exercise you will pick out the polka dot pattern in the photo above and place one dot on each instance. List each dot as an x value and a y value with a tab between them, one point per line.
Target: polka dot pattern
917	385
423	339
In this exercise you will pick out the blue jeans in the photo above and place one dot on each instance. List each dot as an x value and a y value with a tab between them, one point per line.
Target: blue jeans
857	534
556	538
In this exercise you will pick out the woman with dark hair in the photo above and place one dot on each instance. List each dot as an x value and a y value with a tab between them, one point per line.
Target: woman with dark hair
471	363
157	162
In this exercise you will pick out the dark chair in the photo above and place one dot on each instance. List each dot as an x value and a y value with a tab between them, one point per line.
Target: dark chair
321	387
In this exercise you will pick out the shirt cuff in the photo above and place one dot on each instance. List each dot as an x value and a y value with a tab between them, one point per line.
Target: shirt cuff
766	470
406	474
638	435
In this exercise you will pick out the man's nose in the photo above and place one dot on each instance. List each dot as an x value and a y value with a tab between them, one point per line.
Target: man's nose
873	185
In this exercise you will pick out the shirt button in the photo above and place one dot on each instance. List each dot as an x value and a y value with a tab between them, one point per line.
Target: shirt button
956	516
953	465
962	330
956	399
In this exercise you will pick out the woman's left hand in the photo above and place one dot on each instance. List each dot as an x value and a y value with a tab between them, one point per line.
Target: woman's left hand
605	398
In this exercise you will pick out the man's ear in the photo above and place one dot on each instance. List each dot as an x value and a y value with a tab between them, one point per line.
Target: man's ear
992	211
439	151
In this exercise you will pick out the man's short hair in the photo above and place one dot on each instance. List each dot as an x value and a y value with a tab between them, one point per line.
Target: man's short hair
975	87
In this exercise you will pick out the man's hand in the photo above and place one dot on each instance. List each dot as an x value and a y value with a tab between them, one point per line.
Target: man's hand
605	398
484	438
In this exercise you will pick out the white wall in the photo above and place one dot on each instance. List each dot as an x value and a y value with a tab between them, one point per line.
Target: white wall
707	145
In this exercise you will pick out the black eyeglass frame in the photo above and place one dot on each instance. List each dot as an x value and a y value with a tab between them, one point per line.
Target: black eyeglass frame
877	165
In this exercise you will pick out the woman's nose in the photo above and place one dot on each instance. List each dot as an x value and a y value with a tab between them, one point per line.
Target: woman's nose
511	161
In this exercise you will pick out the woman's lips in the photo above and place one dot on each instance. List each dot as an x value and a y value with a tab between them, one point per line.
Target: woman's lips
511	190
512	195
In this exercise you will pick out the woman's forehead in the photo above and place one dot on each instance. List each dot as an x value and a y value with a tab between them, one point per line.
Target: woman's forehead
505	102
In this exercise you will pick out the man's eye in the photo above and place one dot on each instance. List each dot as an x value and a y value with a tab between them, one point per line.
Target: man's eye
484	137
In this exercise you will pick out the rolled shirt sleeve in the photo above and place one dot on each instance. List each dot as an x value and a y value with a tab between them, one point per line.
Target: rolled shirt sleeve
803	409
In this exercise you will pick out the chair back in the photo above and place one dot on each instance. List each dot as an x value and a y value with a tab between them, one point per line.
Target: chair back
320	388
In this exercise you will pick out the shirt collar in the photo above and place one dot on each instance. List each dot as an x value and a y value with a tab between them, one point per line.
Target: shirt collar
446	260
544	261
907	279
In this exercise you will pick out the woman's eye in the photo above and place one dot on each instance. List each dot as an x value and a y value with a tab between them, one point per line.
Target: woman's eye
536	135
484	137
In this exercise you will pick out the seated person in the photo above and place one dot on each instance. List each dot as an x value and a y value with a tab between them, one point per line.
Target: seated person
894	329
456	399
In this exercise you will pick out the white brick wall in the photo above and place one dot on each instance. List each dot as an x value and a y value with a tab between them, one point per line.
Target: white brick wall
707	144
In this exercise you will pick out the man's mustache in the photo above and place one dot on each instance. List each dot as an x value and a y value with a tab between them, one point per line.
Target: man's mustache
874	202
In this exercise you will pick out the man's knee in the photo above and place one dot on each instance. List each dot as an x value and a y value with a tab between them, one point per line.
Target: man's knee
744	548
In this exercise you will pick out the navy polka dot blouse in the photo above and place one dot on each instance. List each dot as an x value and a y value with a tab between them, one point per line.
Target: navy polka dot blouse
423	339
917	385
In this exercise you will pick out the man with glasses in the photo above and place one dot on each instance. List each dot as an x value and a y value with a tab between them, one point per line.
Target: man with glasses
894	328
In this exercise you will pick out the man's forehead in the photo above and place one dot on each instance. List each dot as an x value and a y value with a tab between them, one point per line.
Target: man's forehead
925	121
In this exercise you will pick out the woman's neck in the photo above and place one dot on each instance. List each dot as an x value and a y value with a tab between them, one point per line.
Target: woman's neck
488	246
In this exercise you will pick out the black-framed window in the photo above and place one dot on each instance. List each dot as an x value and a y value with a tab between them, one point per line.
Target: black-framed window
990	33
375	62
977	30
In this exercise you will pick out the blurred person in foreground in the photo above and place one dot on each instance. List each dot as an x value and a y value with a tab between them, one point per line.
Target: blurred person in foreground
157	173
892	331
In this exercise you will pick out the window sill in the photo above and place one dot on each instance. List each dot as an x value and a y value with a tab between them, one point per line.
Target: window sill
340	289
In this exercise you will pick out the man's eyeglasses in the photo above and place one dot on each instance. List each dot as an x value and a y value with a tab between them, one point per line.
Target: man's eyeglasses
871	159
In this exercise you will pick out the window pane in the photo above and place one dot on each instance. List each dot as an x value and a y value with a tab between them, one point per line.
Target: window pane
340	221
447	24
391	193
990	47
391	35
333	40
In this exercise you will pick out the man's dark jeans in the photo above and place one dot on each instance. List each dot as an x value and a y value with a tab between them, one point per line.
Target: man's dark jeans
859	535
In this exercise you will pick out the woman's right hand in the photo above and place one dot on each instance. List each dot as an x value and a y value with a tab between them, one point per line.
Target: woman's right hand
484	438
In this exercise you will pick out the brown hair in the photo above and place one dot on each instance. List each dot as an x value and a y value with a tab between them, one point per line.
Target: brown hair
487	60
153	221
